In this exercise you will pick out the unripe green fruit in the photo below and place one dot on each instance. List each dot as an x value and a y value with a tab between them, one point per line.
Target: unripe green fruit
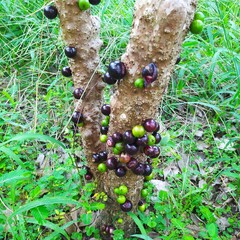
104	122
102	167
119	146
144	193
103	138
123	190
116	191
120	220
151	140
139	83
199	16
150	177
138	131
116	151
196	26
142	208
83	4
121	199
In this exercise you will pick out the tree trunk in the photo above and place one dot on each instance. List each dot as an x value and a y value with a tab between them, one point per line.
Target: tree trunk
159	27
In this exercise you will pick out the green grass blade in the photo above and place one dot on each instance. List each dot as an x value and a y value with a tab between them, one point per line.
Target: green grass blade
13	176
138	222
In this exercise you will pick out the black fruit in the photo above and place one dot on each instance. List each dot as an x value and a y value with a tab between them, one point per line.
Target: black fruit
77	93
150	125
117	69
94	2
104	130
112	163
103	155
66	72
77	117
105	109
139	169
152	151
158	137
150	73
117	137
127	206
88	176
128	137
147	169
157	128
108	79
121	171
50	12
143	141
131	149
110	141
96	158
70	52
132	163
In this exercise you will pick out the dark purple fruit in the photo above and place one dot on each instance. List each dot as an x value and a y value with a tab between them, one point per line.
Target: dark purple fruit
157	137
139	169
117	69
112	163
94	2
150	73
117	137
105	109
131	149
150	125
96	158
132	163
104	130
108	79
77	117
143	141
110	141
77	93
147	169
50	12
88	176
70	52
120	171
128	137
152	151
66	72
127	206
178	60
141	202
103	155
157	128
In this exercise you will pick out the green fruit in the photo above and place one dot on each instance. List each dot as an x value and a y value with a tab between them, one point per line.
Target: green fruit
199	16
144	193
123	190
139	83
120	220
102	167
116	191
142	208
107	118
104	123
138	131
196	26
151	140
116	151
83	4
121	199
119	146
150	177
103	138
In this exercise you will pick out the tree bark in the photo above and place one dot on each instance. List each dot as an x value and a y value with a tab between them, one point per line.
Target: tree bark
158	30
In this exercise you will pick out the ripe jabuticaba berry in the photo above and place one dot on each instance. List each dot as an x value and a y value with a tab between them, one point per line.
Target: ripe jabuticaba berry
70	52
152	151
147	169
112	163
117	137
105	109
143	141
120	171
132	163
66	72
103	155
127	206
96	158
88	176
108	79
104	130
157	128
157	137
150	125
128	137
117	69
94	2
50	12
77	93
150	73
77	117
139	169
131	149
110	142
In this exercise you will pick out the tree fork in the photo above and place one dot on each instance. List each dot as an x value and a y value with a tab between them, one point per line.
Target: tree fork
158	30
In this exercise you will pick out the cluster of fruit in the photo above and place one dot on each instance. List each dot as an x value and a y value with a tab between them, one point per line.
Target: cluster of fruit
149	75
125	204
116	71
107	231
197	24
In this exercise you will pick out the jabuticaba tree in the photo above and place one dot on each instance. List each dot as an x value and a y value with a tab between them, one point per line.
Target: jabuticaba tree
118	152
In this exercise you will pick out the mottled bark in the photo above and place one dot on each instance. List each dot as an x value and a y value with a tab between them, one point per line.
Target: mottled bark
159	27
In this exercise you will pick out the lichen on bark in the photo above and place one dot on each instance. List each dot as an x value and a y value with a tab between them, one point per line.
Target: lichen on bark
158	30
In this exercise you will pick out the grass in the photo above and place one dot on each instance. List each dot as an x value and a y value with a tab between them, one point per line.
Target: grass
200	113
